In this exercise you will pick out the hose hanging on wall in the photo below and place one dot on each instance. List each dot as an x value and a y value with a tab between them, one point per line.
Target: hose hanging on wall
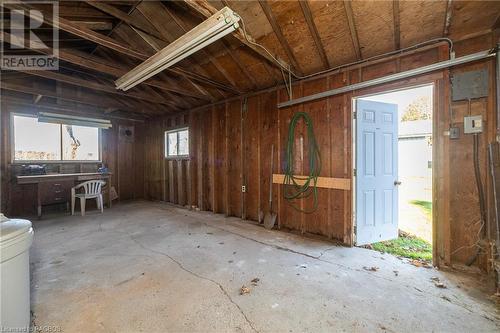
302	186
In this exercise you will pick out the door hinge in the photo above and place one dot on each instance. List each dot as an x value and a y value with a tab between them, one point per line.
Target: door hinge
354	172
354	115
355	229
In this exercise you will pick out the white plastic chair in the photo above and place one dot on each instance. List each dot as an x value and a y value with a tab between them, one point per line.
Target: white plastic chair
92	190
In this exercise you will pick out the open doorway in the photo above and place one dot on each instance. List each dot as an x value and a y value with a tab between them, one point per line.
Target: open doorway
393	198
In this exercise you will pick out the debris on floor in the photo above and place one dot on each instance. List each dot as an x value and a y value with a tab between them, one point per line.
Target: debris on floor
370	269
396	273
437	282
420	263
244	290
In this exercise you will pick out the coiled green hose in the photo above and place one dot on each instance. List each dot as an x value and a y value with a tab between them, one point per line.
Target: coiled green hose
293	189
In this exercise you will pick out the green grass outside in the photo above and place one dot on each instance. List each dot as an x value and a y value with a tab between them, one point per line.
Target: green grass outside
407	246
426	206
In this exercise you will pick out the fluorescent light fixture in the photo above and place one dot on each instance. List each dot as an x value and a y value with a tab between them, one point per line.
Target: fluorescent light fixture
215	27
54	118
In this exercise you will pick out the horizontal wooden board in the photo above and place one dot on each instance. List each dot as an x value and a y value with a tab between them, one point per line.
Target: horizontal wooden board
324	182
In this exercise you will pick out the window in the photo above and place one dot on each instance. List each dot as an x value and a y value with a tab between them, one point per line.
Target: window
177	143
37	141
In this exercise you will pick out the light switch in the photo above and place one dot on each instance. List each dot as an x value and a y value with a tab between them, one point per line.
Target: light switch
473	124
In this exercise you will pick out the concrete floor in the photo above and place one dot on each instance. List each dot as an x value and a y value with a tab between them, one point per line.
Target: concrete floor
152	267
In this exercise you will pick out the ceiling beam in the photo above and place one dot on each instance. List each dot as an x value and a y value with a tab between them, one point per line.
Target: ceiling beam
204	9
93	63
397	29
156	47
306	10
106	42
63	93
79	82
155	12
185	28
117	13
447	17
352	28
145	30
279	34
95	25
77	109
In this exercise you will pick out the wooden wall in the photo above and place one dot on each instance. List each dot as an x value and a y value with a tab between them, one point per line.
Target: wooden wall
230	146
124	158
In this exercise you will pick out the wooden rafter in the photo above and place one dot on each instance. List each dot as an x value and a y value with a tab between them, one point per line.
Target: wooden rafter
397	30
145	32
52	75
153	12
352	28
185	28
447	17
306	10
117	13
279	34
76	109
95	64
204	9
63	93
95	25
108	43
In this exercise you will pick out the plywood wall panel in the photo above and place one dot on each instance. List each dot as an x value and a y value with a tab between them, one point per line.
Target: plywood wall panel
234	167
318	222
251	159
268	137
340	156
289	217
375	26
220	174
421	21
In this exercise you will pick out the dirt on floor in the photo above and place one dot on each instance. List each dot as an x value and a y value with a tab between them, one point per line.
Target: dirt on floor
153	267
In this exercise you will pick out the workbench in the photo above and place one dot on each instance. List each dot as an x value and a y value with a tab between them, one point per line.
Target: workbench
56	188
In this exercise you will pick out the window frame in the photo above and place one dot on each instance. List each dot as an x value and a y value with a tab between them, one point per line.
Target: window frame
60	161
165	144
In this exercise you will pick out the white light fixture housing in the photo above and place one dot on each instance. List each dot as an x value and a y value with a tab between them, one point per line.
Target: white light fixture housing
64	119
212	29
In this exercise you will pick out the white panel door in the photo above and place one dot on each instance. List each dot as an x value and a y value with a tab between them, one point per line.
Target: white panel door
376	172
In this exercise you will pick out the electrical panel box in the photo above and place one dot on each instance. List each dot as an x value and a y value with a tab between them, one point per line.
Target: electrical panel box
473	124
469	85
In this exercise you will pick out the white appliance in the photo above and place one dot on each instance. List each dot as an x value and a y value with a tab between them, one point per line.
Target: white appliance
16	237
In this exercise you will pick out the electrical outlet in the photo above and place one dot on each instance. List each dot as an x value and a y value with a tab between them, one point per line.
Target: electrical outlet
243	188
454	132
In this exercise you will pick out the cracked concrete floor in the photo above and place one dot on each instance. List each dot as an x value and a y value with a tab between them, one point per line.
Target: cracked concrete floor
152	267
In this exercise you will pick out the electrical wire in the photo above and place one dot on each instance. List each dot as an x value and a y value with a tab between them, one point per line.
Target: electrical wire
482	201
301	77
302	186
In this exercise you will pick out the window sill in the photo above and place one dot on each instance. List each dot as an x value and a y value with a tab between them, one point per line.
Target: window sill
178	158
54	162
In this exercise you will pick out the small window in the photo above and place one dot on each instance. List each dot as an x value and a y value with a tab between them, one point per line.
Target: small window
177	143
38	141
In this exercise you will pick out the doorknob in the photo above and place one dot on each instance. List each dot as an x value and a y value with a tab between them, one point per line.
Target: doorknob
397	183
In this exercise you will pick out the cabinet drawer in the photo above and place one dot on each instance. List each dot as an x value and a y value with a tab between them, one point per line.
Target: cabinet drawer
55	192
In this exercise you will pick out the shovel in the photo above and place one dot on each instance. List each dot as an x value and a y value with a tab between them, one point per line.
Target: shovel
270	218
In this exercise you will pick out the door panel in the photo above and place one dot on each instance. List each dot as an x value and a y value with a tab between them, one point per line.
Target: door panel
376	166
